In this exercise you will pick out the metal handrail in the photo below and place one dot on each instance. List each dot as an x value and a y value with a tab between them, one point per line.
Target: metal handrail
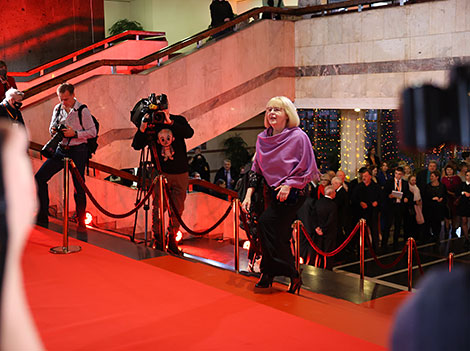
73	55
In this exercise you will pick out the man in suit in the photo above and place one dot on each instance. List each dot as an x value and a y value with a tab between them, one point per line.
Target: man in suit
422	178
398	199
227	174
366	200
325	219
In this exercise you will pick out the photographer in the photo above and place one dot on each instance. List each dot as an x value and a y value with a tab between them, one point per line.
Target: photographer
10	106
167	133
74	134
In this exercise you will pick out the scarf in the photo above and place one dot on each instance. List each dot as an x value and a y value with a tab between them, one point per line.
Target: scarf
286	158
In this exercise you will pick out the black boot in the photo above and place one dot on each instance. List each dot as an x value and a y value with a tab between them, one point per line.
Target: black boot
266	281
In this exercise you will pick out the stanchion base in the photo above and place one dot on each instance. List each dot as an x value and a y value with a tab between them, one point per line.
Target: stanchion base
65	250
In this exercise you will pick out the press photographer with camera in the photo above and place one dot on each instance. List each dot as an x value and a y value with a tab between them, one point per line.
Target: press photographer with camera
166	133
69	139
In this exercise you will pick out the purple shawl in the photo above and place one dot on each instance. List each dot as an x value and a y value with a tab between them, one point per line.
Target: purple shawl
285	158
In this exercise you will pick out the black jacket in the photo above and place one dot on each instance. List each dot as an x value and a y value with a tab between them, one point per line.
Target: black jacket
219	11
10	113
325	216
181	130
221	175
390	186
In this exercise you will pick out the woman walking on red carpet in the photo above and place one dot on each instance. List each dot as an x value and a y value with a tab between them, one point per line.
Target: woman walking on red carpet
284	157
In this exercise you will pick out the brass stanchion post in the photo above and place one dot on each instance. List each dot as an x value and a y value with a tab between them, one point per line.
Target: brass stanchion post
410	263
236	233
362	228
65	248
451	261
161	209
297	224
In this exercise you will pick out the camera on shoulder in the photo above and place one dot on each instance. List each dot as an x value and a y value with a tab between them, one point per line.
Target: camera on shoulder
150	110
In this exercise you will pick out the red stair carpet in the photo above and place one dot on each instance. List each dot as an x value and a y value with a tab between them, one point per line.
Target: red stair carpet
99	300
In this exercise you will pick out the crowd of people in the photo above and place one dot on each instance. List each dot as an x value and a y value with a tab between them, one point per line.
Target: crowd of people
422	205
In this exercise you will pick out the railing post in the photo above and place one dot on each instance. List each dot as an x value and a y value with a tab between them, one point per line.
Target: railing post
236	233
362	228
65	248
161	209
410	262
296	235
451	261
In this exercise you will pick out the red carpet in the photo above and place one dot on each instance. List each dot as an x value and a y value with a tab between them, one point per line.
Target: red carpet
98	300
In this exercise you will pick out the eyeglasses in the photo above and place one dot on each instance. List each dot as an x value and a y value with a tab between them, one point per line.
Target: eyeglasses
273	109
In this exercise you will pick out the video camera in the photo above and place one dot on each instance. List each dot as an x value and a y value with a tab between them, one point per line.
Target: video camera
432	116
151	108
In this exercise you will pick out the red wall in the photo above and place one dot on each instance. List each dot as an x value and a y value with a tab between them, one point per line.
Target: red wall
34	32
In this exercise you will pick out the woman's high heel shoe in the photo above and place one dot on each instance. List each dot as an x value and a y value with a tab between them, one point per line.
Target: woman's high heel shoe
266	281
295	284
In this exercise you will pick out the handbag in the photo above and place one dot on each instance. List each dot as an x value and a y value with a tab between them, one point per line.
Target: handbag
419	214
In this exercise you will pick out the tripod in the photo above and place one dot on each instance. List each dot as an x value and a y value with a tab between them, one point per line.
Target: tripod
145	170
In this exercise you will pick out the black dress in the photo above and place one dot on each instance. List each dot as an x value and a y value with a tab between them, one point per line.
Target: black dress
463	207
433	211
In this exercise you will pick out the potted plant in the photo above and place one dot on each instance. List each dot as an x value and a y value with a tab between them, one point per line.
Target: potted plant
123	25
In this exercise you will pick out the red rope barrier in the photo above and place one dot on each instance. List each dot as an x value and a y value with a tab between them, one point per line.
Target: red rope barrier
376	259
334	252
417	258
99	207
180	220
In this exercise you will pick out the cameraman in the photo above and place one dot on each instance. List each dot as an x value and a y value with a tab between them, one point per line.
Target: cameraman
74	145
175	169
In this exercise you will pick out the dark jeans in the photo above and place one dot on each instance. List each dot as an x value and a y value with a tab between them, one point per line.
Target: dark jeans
79	155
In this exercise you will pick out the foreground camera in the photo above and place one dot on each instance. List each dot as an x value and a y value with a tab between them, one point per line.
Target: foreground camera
48	150
432	116
153	107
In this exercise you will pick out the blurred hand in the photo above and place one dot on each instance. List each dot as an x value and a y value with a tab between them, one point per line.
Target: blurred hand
246	204
283	192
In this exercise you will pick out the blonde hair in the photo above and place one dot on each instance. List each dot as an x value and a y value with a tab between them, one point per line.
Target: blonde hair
289	108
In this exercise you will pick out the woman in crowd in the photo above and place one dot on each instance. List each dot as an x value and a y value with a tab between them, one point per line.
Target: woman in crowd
324	182
408	172
284	157
372	159
383	175
417	220
463	171
463	207
452	183
373	172
434	203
